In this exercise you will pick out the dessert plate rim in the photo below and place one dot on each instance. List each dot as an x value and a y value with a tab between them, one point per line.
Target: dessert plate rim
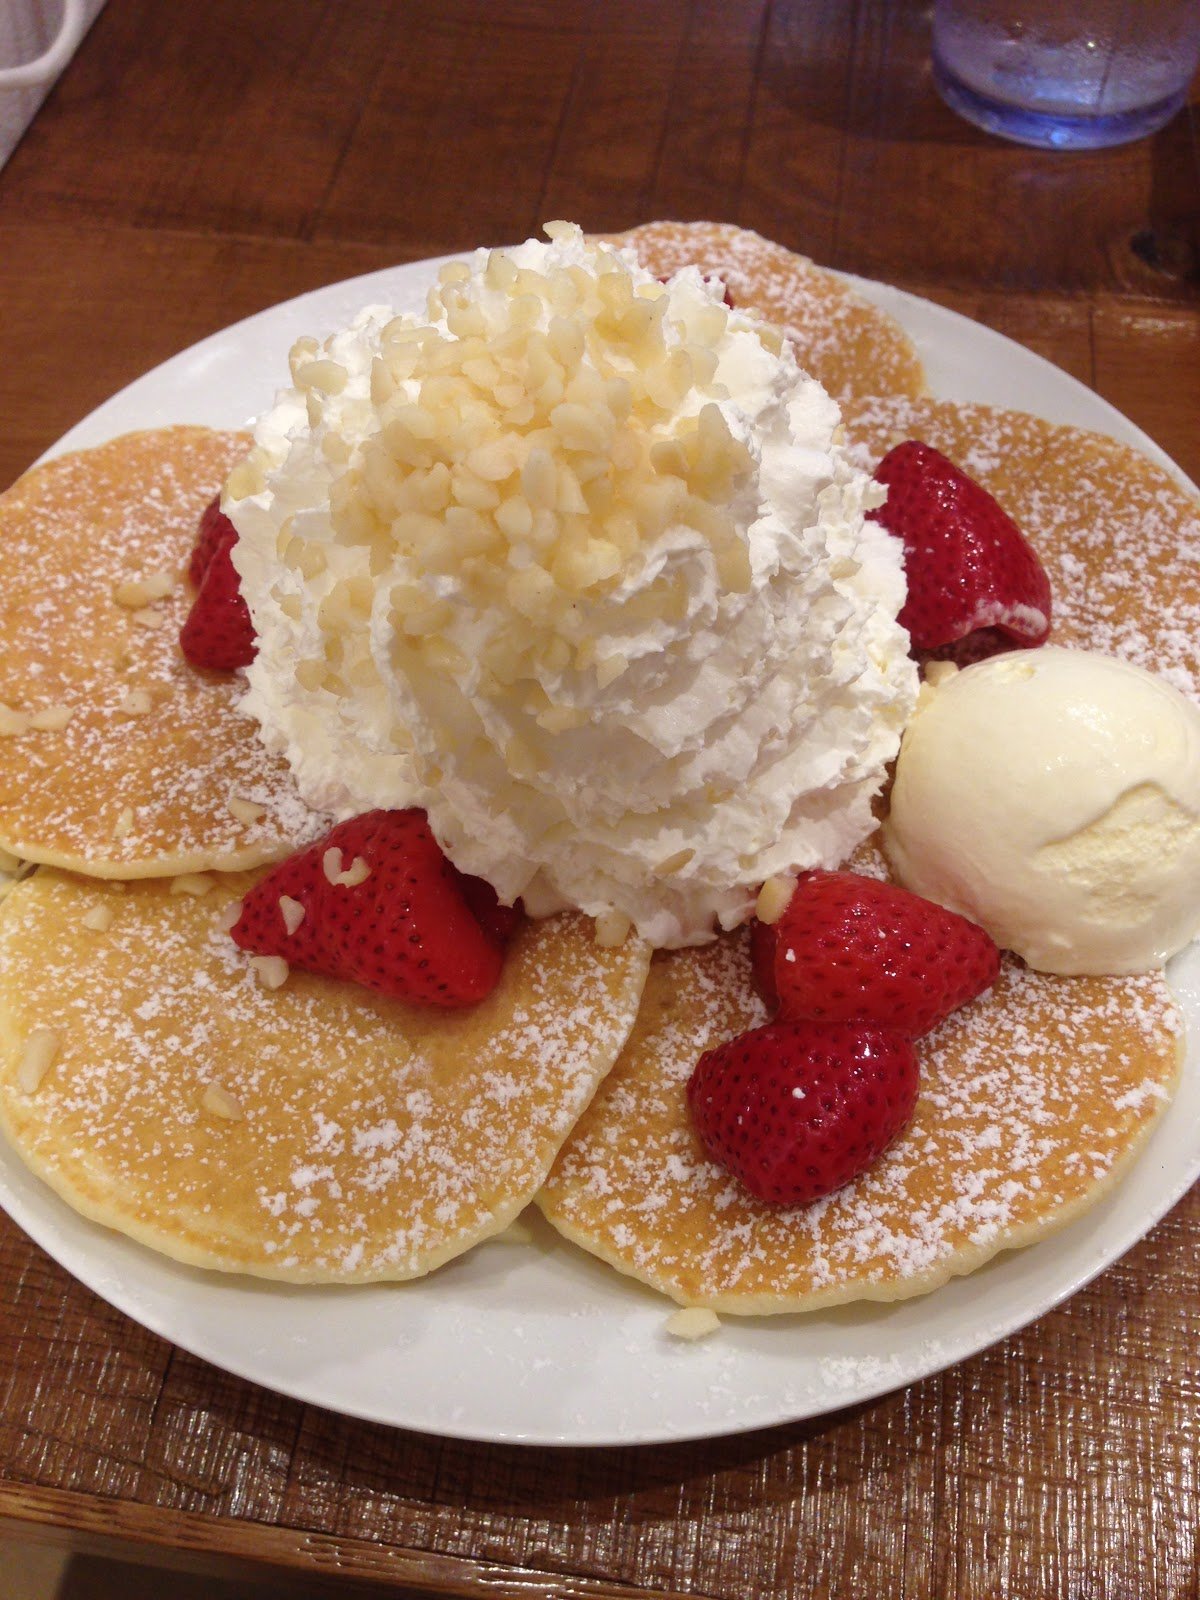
538	1343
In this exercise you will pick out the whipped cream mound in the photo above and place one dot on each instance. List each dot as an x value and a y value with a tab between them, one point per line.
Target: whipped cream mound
576	564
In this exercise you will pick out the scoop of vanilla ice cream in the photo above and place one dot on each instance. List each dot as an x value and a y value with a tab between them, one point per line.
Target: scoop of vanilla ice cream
576	564
1053	796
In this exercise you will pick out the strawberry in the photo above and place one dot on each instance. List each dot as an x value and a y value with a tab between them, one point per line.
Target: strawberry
406	929
852	949
499	920
797	1109
217	633
762	961
214	526
975	586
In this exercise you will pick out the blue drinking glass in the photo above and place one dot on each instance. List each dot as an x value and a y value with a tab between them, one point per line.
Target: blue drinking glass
1066	74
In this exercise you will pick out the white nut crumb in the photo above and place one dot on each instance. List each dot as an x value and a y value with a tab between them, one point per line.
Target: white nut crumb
612	929
773	899
12	721
247	811
99	919
292	912
272	970
148	616
217	1099
136	702
327	376
228	915
331	864
38	1056
123	826
194	883
692	1322
51	719
135	593
246	478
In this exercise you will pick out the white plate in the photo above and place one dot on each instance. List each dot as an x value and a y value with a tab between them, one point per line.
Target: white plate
544	1344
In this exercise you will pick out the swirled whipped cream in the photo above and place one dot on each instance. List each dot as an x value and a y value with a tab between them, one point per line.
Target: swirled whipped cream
576	564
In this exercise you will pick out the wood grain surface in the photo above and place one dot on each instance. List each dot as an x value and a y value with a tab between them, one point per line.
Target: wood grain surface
200	161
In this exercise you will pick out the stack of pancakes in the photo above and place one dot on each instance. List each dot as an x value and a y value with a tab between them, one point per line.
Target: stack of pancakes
320	1133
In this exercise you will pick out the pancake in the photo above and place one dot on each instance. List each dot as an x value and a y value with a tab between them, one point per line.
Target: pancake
316	1132
853	347
1035	1098
1119	537
1033	1102
117	758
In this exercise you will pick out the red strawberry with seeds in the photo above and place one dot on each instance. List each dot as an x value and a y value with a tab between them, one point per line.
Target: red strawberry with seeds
218	633
853	949
975	585
405	928
797	1109
214	526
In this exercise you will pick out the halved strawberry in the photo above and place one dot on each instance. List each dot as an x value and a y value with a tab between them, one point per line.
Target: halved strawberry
404	926
853	949
975	585
218	634
797	1109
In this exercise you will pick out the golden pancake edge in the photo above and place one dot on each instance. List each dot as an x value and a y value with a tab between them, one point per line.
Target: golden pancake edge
130	763
315	1132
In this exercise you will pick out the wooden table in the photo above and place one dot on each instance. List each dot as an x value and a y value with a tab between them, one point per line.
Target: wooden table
199	162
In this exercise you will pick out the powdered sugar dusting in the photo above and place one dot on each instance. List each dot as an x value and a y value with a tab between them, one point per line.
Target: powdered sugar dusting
1120	540
1031	1098
130	793
850	345
377	1139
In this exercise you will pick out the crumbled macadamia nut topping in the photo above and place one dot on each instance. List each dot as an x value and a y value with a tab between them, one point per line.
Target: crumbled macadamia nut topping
574	563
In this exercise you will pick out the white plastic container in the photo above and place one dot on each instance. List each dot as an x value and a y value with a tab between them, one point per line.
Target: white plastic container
37	39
